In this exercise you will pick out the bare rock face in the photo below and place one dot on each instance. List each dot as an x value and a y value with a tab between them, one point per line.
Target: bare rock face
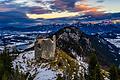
45	48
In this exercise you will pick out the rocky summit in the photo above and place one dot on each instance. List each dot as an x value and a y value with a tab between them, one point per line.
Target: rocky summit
71	39
67	54
45	48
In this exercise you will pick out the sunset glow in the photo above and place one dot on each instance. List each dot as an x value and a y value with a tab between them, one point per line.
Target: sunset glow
53	15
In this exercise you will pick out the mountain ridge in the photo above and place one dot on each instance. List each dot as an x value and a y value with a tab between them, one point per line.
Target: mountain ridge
72	39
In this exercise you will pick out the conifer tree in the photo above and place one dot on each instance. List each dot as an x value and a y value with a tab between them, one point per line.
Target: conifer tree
15	50
113	73
6	71
98	73
1	67
16	74
5	76
5	65
118	71
7	61
94	69
92	66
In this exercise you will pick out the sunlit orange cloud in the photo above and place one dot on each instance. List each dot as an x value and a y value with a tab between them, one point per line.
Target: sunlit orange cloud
87	9
53	15
82	7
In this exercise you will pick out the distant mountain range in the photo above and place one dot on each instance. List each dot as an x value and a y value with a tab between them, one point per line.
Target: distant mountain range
103	16
87	28
19	18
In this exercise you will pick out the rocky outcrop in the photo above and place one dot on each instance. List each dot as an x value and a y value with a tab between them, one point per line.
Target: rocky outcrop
73	40
45	48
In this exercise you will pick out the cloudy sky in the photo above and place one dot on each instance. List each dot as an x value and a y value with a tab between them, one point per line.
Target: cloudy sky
59	8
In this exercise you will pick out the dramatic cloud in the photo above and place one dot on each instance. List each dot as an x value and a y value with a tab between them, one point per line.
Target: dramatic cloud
53	15
84	7
38	10
64	4
45	4
87	8
53	5
40	7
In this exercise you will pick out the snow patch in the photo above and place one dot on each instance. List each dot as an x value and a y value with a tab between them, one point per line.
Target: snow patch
26	64
115	42
45	74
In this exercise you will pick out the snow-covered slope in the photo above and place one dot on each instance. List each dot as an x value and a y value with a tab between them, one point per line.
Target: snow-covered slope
26	64
69	62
